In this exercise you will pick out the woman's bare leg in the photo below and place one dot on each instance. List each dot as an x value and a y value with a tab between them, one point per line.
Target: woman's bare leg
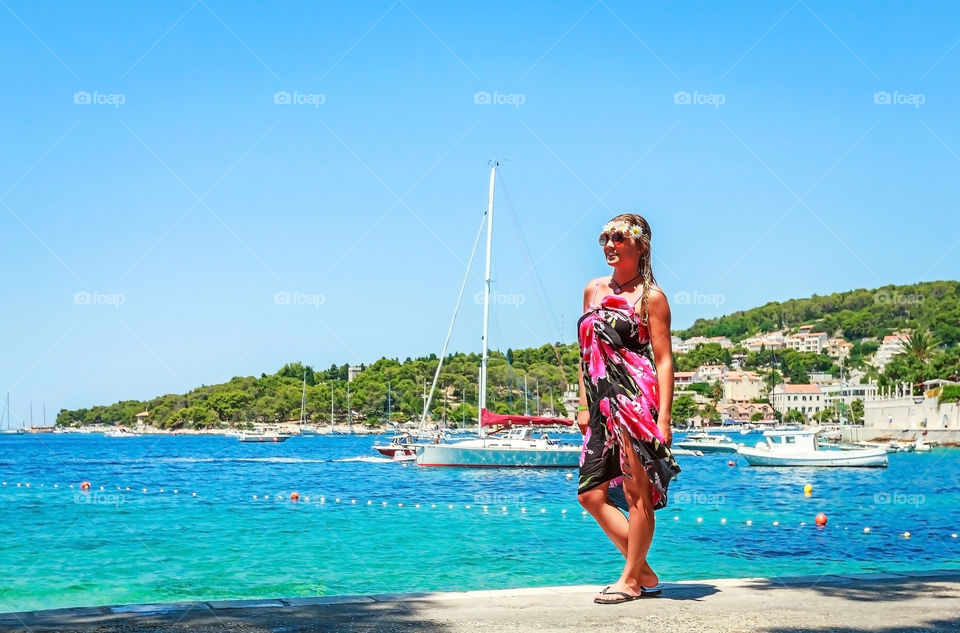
636	572
614	524
610	519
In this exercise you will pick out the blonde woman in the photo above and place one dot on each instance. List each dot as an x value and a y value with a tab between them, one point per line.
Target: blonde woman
626	390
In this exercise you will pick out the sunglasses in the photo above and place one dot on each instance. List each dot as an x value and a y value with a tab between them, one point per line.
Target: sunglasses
617	237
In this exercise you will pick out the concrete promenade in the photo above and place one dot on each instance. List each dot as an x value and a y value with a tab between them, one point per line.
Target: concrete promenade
889	603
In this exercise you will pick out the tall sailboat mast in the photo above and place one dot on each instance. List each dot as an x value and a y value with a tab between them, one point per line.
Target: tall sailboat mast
486	300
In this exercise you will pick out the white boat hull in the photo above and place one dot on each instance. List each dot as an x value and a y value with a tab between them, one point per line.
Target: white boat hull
493	454
869	458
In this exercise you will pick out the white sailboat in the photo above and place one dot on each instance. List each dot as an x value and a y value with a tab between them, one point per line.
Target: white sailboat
308	430
520	445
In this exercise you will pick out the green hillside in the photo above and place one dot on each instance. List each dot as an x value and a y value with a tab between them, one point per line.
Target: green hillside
933	307
931	311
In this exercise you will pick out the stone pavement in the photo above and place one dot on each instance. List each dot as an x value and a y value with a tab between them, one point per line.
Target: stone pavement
888	603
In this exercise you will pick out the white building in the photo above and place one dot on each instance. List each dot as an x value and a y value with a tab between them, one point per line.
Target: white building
807	342
741	386
770	340
838	348
891	346
684	346
807	399
711	373
353	372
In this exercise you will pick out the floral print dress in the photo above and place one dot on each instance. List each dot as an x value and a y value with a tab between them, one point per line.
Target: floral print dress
623	396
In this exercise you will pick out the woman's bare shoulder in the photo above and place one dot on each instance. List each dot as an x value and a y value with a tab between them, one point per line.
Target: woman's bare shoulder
657	297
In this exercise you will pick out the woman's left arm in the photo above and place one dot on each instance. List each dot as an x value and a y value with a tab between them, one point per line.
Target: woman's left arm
659	327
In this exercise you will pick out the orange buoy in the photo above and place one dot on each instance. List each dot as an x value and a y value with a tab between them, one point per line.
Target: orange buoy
294	496
821	519
85	485
730	463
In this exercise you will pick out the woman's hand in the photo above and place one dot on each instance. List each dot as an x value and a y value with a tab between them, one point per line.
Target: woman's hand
666	432
583	420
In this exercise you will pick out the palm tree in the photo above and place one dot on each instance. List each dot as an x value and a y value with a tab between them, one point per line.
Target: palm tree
920	346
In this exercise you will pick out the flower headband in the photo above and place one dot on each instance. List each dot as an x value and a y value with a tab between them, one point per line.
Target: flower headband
623	227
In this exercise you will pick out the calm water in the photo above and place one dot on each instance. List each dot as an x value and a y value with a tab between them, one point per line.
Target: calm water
61	547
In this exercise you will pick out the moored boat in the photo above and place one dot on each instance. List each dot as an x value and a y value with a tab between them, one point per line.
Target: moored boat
799	448
706	443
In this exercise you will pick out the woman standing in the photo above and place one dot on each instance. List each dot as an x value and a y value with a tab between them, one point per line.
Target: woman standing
626	390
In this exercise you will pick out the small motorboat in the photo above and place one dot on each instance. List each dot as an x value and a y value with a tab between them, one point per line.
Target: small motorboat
263	435
707	443
799	448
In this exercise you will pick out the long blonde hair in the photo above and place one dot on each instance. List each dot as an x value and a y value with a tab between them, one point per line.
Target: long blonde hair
644	267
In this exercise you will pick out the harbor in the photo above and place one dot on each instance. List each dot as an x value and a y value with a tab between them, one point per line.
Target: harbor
179	519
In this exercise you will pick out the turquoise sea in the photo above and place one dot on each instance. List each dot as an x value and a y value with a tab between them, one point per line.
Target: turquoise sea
140	534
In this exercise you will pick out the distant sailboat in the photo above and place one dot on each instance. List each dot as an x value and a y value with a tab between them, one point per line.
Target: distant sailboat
6	428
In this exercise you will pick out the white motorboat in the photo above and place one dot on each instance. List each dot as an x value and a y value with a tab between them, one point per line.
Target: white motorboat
799	448
121	432
677	451
707	443
263	435
921	446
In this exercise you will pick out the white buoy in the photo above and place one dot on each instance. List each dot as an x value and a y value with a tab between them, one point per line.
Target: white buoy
569	476
254	496
504	508
353	501
175	491
524	510
723	521
467	506
866	530
676	517
56	485
564	511
400	505
384	504
776	523
543	510
584	513
906	535
699	519
323	499
749	522
450	507
485	508
954	535
337	500
369	502
416	505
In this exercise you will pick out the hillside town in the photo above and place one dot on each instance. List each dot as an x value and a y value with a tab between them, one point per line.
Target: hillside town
733	394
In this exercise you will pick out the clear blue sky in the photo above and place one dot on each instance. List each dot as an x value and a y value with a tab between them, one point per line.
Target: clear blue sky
198	198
